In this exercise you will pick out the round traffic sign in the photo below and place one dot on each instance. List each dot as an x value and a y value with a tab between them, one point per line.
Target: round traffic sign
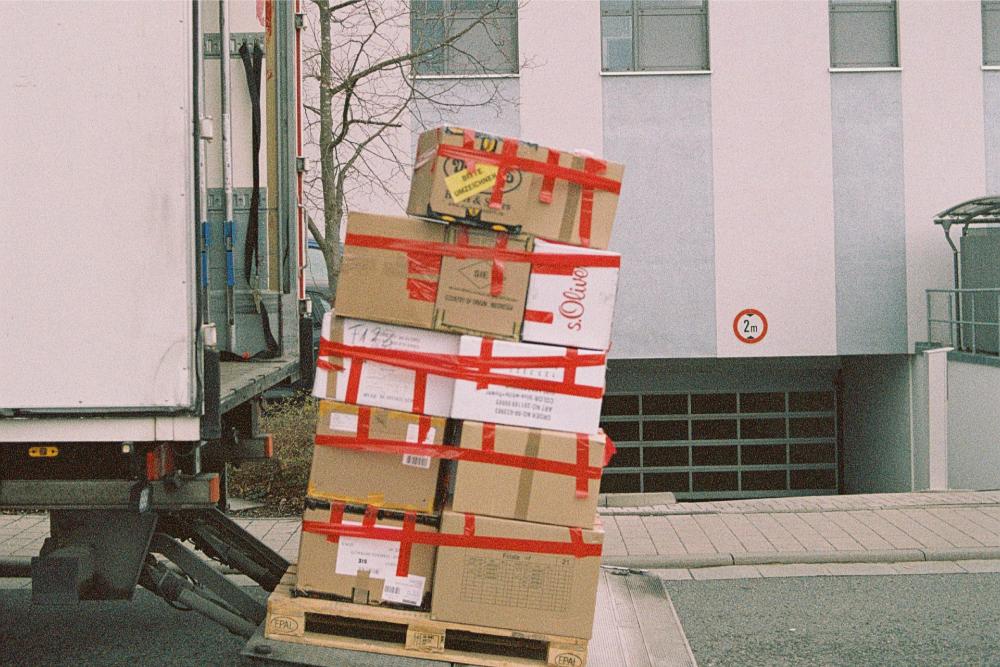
750	326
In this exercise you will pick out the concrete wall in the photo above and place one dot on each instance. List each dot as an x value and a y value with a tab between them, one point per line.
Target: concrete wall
876	423
721	375
920	422
991	118
661	128
561	81
868	212
773	175
944	147
973	425
769	182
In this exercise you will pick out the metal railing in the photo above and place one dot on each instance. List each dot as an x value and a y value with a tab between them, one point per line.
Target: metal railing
966	319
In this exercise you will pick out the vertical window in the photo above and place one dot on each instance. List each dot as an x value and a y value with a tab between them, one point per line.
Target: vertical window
863	33
481	36
654	35
991	32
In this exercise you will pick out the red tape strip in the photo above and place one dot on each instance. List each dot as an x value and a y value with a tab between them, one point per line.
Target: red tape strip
576	547
580	469
336	517
421	290
467	367
541	262
582	464
507	160
406	544
540	316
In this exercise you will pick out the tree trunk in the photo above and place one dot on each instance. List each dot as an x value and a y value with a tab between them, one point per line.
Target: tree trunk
333	208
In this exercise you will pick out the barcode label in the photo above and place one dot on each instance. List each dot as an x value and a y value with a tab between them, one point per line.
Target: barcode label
417	461
404	590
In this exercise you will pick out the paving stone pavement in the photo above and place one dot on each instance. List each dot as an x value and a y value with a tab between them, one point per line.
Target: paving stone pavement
874	528
900	533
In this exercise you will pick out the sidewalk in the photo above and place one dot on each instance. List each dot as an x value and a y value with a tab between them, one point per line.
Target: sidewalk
763	537
875	528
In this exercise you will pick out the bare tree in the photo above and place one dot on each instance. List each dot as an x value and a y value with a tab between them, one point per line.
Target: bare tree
365	65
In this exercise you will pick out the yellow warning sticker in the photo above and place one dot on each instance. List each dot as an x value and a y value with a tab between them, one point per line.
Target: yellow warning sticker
464	184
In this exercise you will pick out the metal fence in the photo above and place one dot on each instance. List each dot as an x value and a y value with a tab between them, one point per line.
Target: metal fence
966	319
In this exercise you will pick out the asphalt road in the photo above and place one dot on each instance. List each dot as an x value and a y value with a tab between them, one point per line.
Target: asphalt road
870	620
143	632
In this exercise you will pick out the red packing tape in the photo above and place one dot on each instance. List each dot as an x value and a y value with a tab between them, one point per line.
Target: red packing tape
467	367
541	262
589	178
576	547
507	160
540	316
581	469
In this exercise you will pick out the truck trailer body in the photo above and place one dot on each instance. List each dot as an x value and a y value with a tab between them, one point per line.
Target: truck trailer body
152	260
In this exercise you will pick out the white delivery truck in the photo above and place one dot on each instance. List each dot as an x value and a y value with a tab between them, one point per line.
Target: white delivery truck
151	252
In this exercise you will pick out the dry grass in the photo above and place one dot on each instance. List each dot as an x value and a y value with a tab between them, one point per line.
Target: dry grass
280	483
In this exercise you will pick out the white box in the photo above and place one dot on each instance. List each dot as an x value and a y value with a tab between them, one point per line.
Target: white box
531	407
382	385
572	306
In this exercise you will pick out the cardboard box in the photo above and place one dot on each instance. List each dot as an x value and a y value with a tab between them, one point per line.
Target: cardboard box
535	592
391	480
555	397
553	208
361	569
382	385
525	493
572	305
405	271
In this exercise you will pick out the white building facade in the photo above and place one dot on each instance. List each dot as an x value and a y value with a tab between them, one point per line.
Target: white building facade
786	156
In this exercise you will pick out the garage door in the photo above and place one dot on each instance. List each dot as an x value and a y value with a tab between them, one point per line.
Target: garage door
723	445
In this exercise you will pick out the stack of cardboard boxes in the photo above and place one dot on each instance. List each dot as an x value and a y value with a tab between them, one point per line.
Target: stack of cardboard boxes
458	454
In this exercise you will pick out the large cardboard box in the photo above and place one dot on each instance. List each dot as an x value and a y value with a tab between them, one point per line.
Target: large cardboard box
379	384
433	276
346	465
560	488
575	204
560	392
572	305
361	569
550	593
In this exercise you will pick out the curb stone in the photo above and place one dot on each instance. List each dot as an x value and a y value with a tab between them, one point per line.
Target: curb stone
694	561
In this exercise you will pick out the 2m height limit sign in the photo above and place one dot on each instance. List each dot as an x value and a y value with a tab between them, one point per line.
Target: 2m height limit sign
750	326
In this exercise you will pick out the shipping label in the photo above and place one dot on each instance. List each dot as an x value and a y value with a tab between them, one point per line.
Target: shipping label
404	590
412	435
344	422
464	184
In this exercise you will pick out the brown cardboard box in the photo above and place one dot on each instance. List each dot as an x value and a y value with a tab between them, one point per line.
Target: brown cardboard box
395	481
534	592
361	569
524	493
392	273
521	205
379	384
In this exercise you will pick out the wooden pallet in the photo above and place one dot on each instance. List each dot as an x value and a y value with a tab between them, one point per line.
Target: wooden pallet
359	627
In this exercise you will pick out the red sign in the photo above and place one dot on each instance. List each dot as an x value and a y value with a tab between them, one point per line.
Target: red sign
750	326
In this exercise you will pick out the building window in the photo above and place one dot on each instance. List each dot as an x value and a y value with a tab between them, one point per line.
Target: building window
991	32
654	35
863	33
486	33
